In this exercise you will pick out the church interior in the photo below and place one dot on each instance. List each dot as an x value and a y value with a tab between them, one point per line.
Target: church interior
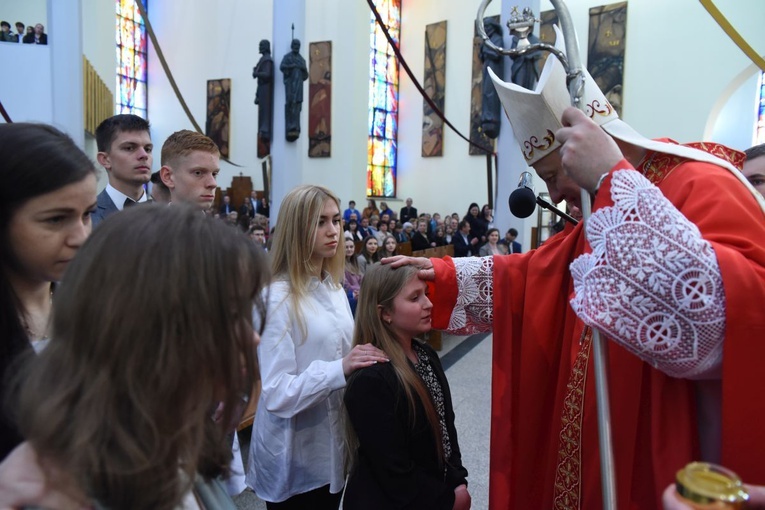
674	73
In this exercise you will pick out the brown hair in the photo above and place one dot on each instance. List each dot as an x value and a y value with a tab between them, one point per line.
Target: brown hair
152	328
183	143
380	286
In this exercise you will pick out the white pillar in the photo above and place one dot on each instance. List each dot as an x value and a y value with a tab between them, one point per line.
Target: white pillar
65	42
287	157
511	162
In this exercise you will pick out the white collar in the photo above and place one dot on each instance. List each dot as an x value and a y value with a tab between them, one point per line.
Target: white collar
119	197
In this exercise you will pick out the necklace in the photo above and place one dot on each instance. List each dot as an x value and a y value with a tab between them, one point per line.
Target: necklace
36	326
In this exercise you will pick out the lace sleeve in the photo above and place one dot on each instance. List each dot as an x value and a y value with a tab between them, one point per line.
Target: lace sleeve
473	312
652	283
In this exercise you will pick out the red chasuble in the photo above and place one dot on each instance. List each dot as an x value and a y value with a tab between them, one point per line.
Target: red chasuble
544	436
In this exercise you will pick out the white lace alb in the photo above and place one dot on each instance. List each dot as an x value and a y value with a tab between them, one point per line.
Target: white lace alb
652	283
473	312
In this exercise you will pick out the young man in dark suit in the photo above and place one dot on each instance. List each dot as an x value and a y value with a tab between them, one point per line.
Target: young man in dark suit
463	244
125	152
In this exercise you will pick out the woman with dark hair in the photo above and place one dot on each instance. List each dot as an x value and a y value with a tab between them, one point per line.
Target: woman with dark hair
439	237
47	197
492	246
478	225
130	405
403	444
369	253
488	215
352	227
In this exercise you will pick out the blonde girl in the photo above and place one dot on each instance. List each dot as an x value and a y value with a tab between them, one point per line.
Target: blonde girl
297	448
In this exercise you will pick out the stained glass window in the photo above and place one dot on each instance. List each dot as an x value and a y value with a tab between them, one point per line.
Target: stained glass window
383	102
132	59
759	129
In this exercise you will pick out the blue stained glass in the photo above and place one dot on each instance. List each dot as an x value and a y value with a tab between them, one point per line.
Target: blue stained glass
391	125
131	47
379	124
383	102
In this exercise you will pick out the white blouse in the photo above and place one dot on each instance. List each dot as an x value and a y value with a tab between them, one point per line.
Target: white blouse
298	439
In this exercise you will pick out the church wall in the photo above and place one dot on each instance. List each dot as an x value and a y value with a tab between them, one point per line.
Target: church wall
451	182
204	40
233	52
98	46
678	62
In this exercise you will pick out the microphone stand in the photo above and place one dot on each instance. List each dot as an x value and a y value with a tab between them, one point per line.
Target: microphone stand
547	205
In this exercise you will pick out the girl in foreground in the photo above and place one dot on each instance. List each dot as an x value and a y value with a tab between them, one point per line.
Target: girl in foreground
297	448
152	330
402	441
47	196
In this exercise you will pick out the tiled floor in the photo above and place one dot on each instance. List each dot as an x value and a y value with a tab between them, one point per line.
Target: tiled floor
469	374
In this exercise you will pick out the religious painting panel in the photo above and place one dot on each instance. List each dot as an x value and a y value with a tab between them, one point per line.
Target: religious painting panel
605	50
477	135
434	83
218	113
320	100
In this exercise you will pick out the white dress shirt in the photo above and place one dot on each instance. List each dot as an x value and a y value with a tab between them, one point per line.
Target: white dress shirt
119	197
298	439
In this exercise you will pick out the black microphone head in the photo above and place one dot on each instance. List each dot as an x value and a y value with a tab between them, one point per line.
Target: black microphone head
522	202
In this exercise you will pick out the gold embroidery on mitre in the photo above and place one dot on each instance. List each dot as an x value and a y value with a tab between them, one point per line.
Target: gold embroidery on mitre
533	143
595	107
568	473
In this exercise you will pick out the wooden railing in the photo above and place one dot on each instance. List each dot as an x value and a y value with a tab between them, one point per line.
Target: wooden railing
437	252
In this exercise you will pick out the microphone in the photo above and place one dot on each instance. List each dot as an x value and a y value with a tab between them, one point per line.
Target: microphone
523	200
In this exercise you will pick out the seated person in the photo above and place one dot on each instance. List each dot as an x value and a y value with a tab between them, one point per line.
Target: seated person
353	275
368	254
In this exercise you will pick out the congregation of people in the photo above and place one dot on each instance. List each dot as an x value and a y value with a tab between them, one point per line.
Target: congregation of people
134	332
24	34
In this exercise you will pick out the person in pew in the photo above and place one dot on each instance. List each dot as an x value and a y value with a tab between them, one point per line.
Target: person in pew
439	237
420	239
492	246
404	448
389	247
297	450
46	202
464	244
369	253
122	413
353	275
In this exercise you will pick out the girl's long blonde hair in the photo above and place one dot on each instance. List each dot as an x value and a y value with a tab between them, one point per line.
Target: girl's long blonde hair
294	239
381	284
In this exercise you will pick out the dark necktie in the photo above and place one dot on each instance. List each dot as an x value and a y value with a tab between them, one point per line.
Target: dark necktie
129	203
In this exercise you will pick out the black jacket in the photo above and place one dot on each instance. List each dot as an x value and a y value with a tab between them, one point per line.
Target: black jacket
397	465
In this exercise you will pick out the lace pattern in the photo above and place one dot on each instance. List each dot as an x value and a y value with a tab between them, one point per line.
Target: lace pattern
651	283
473	312
425	370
